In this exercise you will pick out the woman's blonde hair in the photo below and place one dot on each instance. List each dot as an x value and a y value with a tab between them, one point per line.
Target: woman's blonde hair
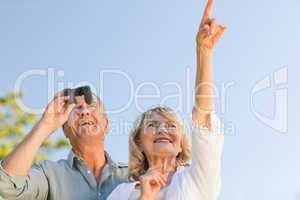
138	163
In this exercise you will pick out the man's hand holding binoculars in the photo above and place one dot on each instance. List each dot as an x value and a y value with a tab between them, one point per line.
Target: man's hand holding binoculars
58	110
56	113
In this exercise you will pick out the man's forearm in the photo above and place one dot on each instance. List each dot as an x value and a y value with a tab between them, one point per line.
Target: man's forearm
204	87
20	160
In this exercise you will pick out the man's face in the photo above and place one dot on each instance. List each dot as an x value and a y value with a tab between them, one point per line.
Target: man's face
86	120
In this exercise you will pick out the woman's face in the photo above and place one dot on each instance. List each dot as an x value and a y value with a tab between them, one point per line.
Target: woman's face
160	136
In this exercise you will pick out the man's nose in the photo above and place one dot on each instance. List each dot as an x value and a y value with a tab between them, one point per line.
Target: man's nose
84	111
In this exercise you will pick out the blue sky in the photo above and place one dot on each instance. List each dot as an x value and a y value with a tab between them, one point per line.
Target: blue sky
150	45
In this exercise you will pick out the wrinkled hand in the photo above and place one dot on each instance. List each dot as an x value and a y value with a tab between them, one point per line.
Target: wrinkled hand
57	112
151	183
210	31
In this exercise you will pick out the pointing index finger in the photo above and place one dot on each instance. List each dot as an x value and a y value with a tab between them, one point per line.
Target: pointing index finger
207	11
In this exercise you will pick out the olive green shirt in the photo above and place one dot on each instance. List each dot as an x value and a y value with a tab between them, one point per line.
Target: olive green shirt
68	179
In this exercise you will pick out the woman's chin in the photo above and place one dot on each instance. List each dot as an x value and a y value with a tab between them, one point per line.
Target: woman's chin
164	151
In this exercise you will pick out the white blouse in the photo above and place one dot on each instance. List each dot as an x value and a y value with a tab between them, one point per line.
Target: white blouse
199	181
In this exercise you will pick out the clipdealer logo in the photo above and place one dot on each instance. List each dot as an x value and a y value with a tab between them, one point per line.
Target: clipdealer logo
277	83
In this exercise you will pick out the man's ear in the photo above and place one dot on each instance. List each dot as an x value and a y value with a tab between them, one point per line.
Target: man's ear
106	127
65	129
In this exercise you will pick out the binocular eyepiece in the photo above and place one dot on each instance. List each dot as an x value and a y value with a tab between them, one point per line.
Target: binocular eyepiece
79	91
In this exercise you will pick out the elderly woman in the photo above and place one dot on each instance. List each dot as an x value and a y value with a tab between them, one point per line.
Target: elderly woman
159	149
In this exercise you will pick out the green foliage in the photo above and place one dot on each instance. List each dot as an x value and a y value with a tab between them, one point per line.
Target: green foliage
14	125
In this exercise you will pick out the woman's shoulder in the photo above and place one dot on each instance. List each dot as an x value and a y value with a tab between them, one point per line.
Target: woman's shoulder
180	173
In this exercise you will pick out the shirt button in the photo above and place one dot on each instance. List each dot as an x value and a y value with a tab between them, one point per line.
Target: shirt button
88	171
99	194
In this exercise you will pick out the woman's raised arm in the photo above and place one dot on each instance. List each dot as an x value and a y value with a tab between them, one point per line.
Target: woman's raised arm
210	31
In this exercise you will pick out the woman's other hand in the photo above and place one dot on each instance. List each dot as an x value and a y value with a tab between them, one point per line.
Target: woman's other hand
151	183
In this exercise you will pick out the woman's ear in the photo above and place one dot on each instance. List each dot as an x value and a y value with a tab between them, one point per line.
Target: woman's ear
181	144
179	152
141	149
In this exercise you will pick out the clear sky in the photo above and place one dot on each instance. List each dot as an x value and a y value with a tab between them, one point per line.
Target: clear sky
126	49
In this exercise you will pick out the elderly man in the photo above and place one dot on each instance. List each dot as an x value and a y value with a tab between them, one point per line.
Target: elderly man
87	174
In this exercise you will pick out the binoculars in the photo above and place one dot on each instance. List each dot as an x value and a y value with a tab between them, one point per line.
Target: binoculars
79	91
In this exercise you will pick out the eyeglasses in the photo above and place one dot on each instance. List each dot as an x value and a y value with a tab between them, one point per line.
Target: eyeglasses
156	126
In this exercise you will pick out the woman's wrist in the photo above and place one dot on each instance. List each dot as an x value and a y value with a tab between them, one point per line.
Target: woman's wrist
145	198
204	50
204	57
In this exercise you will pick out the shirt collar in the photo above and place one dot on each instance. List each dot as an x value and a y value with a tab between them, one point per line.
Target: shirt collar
72	157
